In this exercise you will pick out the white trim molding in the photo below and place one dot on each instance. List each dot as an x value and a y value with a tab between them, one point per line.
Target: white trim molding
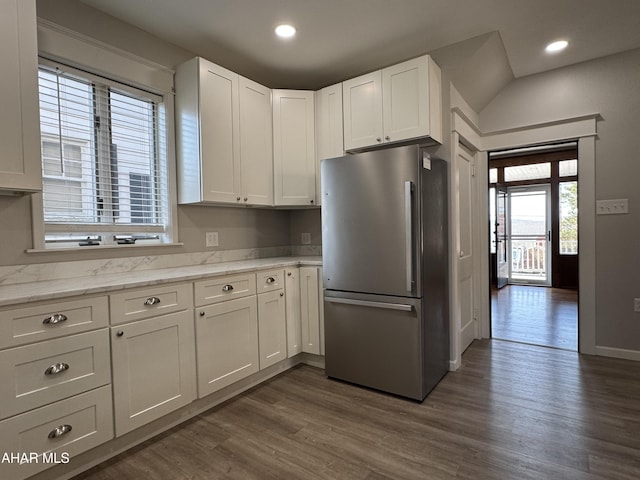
66	46
618	353
584	130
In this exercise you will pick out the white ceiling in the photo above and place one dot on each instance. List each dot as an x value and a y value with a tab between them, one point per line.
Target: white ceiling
338	39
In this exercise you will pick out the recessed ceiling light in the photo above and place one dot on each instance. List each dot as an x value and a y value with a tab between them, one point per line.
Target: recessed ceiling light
285	31
557	46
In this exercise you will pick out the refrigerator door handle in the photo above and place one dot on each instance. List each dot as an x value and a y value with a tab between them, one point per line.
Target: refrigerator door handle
408	221
364	303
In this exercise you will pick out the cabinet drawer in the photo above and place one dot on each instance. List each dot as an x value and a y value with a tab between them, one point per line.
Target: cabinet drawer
220	289
45	372
46	429
46	320
142	303
269	280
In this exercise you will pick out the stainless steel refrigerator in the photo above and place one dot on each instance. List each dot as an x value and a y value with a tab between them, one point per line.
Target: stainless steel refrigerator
385	269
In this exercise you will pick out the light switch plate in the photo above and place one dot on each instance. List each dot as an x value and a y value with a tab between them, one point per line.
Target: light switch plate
306	238
612	207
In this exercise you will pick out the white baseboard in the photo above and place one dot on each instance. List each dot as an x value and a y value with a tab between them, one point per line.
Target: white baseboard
618	353
454	365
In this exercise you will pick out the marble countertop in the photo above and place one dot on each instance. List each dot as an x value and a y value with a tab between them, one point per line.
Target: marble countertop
96	284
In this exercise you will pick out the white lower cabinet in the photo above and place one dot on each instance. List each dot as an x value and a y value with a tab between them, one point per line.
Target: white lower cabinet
45	372
292	308
226	343
153	368
56	432
310	309
272	328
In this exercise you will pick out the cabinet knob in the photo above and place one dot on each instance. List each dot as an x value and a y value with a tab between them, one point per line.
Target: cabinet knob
288	274
54	319
271	280
227	288
387	138
60	431
246	198
310	201
238	198
202	314
282	294
119	333
378	139
152	301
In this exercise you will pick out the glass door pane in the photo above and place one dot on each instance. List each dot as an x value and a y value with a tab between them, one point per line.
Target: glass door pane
529	234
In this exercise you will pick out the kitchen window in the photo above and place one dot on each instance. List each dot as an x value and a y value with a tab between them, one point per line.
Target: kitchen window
104	161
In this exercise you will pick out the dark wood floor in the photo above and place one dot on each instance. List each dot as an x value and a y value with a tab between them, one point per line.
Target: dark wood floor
537	315
512	411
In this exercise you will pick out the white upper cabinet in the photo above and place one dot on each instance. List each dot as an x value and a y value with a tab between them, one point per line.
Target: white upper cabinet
294	164
20	165
362	103
223	124
329	128
256	143
398	103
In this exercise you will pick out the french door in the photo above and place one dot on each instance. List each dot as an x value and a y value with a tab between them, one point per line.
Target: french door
529	234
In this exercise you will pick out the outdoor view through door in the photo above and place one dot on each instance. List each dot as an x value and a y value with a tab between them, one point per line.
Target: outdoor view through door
533	197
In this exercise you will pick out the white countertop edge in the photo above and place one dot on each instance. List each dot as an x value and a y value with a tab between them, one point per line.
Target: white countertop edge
57	289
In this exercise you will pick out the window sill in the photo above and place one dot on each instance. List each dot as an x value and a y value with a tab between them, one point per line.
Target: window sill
78	249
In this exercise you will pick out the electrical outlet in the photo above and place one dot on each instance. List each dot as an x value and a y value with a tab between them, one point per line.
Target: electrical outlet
211	239
636	304
306	238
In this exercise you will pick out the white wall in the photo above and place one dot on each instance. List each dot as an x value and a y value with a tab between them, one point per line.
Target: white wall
610	87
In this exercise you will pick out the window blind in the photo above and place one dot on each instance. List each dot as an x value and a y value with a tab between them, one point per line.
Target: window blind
103	158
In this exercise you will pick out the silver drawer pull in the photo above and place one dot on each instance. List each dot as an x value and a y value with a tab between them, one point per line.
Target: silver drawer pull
152	301
54	319
59	431
56	368
227	288
271	280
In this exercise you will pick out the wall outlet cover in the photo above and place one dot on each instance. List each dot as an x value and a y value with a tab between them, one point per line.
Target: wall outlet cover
211	239
306	238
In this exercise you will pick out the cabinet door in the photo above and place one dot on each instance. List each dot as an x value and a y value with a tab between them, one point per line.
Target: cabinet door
63	429
310	310
20	168
362	108
227	343
405	93
292	310
219	134
153	368
294	165
329	128
256	143
272	328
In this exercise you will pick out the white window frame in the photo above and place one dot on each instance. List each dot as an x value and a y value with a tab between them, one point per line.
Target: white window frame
61	45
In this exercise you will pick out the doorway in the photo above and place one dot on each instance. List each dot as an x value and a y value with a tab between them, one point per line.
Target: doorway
533	194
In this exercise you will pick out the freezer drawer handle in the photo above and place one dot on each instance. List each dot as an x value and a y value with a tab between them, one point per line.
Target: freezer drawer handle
54	319
56	368
363	303
59	431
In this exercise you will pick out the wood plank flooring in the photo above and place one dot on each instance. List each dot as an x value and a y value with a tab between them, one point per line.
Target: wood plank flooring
537	315
512	411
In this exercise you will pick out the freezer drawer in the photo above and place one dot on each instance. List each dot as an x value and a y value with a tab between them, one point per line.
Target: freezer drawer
375	341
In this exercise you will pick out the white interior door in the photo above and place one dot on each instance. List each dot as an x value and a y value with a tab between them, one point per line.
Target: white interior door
465	193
